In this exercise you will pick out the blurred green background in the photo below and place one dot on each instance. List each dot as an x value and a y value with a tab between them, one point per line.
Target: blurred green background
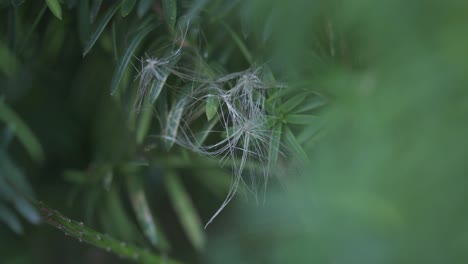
385	181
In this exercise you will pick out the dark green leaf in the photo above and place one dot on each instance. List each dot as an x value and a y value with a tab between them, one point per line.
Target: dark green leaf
125	59
17	3
7	137
8	61
185	210
115	210
84	26
10	219
292	103
54	38
162	107
312	104
22	131
55	8
127	7
206	130
143	7
144	123
15	187
173	122
268	75
70	3
114	41
212	105
7	192
91	201
13	175
309	132
33	27
240	44
95	7
100	28
27	210
274	148
194	10
302	119
143	212
170	11
293	145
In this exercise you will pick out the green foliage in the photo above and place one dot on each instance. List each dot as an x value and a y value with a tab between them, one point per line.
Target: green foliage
8	61
211	108
147	118
170	11
126	7
110	151
22	131
100	27
55	8
142	209
185	210
128	53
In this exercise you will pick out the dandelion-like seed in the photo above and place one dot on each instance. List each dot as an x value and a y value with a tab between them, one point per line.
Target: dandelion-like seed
244	120
152	70
156	69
